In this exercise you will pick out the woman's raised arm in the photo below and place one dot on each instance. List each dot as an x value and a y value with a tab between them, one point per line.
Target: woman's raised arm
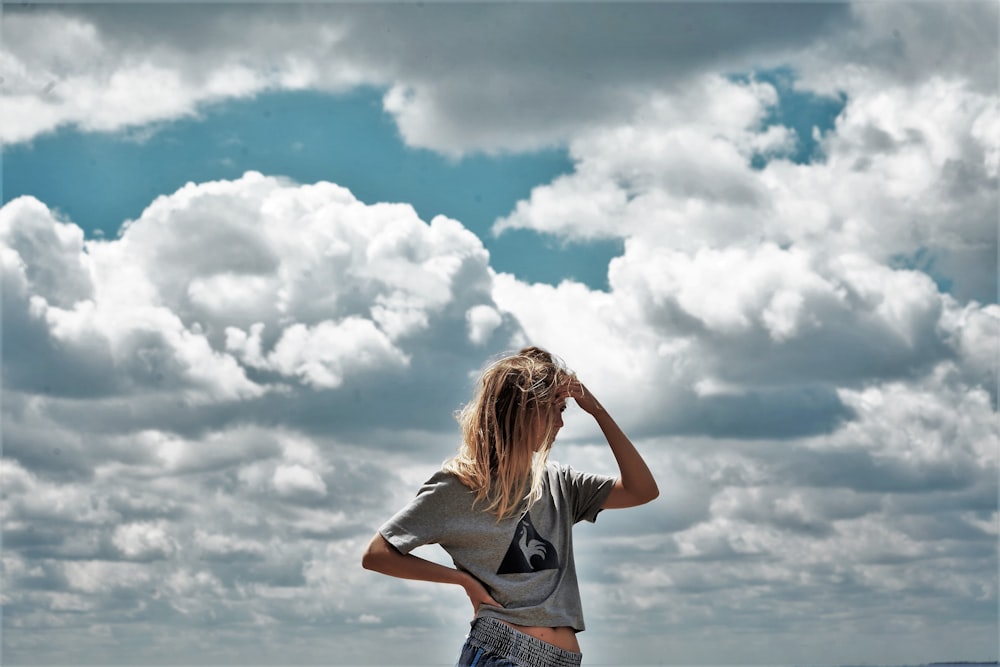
635	484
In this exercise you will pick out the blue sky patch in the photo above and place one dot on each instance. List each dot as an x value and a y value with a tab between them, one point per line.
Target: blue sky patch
100	180
799	110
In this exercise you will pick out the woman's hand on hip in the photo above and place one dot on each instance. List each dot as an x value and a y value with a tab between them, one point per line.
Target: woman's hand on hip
478	595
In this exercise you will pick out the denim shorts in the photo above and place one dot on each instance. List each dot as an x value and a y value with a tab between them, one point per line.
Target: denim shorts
492	643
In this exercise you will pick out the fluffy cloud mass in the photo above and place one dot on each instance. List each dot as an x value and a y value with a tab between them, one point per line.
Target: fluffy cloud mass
206	417
246	290
105	68
236	348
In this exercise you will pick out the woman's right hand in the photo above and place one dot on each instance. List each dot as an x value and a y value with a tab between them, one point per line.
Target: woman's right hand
478	595
381	556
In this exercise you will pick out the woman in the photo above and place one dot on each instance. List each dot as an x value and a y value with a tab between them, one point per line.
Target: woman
505	515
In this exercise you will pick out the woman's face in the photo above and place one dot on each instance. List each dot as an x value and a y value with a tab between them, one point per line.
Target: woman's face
557	423
560	406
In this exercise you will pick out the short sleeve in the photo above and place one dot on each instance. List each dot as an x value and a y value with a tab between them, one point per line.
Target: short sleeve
423	519
585	492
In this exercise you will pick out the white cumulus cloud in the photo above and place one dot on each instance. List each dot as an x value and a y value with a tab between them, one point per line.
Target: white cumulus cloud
139	541
292	480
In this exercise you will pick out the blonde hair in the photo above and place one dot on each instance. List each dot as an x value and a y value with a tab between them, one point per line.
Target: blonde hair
508	429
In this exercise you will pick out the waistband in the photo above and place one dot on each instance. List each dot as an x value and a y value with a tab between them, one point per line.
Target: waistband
520	648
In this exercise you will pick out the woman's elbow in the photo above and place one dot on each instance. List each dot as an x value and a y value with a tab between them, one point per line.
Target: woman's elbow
649	494
374	553
654	494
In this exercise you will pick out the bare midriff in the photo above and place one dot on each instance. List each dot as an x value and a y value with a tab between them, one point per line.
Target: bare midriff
563	637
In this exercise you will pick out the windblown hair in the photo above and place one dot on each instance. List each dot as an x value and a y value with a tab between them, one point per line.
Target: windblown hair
508	429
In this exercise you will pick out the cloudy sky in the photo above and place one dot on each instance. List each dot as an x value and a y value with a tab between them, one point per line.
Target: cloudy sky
253	255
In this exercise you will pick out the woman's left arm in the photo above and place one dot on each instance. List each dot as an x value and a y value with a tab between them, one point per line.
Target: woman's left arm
635	484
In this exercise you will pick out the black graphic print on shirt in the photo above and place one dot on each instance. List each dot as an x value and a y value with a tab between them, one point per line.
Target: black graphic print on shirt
528	551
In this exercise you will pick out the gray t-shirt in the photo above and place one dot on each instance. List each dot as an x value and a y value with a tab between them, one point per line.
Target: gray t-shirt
526	561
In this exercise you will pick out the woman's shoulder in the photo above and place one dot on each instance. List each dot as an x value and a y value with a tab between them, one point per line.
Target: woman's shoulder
555	469
566	475
445	482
